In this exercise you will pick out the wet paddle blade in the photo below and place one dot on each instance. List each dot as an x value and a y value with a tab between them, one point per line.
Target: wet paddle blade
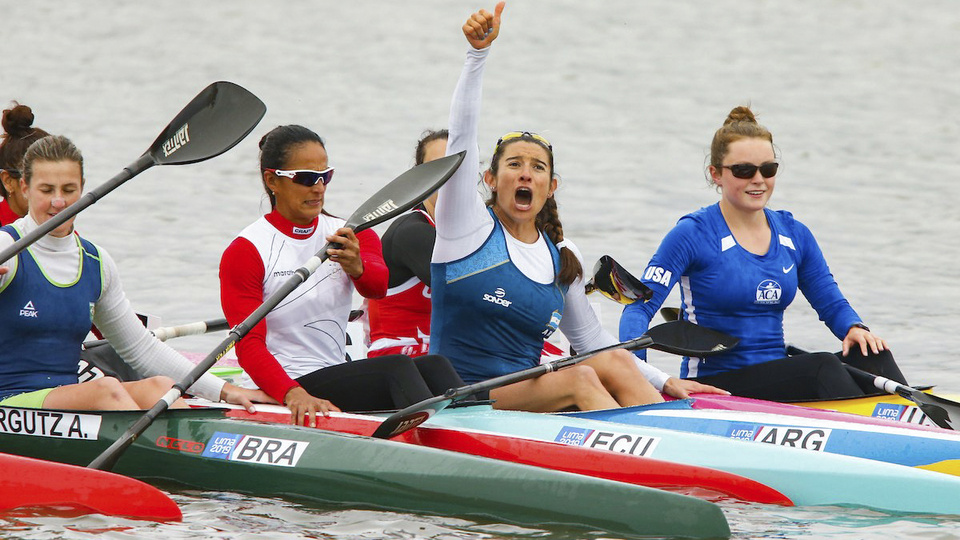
943	412
216	120
411	417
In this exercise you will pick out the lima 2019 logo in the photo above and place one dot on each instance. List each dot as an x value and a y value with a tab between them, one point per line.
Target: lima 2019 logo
768	292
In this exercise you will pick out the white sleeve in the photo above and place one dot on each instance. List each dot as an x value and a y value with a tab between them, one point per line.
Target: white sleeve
6	241
149	356
463	223
582	328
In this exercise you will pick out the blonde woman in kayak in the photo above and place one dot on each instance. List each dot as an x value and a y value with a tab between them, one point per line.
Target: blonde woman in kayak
504	277
50	294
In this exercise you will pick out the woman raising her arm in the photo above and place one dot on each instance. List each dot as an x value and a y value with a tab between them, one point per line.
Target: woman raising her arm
504	278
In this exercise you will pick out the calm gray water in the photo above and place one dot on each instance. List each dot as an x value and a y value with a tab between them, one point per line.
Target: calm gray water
861	97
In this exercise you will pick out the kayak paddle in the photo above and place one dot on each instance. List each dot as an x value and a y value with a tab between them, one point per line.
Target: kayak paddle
678	337
943	412
212	123
400	195
169	332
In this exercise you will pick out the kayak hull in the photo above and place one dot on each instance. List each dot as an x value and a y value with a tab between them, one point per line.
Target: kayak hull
807	478
622	468
204	449
32	483
936	450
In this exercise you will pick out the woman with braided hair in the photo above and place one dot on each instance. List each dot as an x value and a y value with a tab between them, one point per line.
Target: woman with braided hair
504	278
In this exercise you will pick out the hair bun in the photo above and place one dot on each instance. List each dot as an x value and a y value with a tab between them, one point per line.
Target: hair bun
17	121
741	114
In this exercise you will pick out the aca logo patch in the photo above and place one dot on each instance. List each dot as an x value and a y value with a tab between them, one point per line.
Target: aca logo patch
768	292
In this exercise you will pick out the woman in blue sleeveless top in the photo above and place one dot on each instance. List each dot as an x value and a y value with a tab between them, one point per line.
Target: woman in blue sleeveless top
504	278
739	265
53	291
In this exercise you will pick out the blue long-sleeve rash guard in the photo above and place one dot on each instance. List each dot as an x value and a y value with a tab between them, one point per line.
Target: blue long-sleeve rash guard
727	288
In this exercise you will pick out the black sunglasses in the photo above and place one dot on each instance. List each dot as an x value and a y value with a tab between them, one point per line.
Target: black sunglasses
749	170
13	172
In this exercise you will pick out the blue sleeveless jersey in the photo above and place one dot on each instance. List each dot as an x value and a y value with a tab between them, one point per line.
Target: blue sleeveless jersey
43	324
729	289
489	318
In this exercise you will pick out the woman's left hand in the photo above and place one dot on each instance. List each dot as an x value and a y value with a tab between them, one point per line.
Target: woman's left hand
682	388
864	338
244	396
348	255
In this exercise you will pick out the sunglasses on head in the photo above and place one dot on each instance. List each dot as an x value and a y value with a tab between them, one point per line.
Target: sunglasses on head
13	172
306	177
749	170
521	134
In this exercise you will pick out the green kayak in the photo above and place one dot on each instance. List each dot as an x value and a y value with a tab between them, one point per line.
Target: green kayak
201	448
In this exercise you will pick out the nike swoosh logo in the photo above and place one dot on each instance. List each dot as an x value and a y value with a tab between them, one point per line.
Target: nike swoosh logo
788	269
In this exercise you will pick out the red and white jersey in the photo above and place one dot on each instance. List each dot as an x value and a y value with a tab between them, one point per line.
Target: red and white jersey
307	330
400	321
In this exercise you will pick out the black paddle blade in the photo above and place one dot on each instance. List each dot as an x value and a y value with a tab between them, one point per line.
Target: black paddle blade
403	193
214	122
688	339
411	417
670	313
614	282
940	411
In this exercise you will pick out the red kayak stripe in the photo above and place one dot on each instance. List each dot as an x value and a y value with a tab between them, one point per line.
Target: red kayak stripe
557	456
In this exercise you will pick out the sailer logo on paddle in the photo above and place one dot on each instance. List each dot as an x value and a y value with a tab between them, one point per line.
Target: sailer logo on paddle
178	141
28	310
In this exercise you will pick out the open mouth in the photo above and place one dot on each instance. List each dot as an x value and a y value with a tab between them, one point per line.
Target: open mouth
523	196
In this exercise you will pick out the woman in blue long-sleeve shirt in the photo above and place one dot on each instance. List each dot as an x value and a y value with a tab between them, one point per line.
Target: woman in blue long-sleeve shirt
739	265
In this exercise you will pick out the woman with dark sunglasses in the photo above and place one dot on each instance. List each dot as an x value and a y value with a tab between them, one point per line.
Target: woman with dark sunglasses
18	135
504	278
740	265
297	354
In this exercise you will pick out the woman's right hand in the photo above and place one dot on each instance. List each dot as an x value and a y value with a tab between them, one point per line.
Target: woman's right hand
301	403
482	27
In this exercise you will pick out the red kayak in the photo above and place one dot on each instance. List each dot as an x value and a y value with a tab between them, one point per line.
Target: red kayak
30	483
552	455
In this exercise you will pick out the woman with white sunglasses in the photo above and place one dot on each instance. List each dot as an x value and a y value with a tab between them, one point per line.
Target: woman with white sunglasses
297	354
740	265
